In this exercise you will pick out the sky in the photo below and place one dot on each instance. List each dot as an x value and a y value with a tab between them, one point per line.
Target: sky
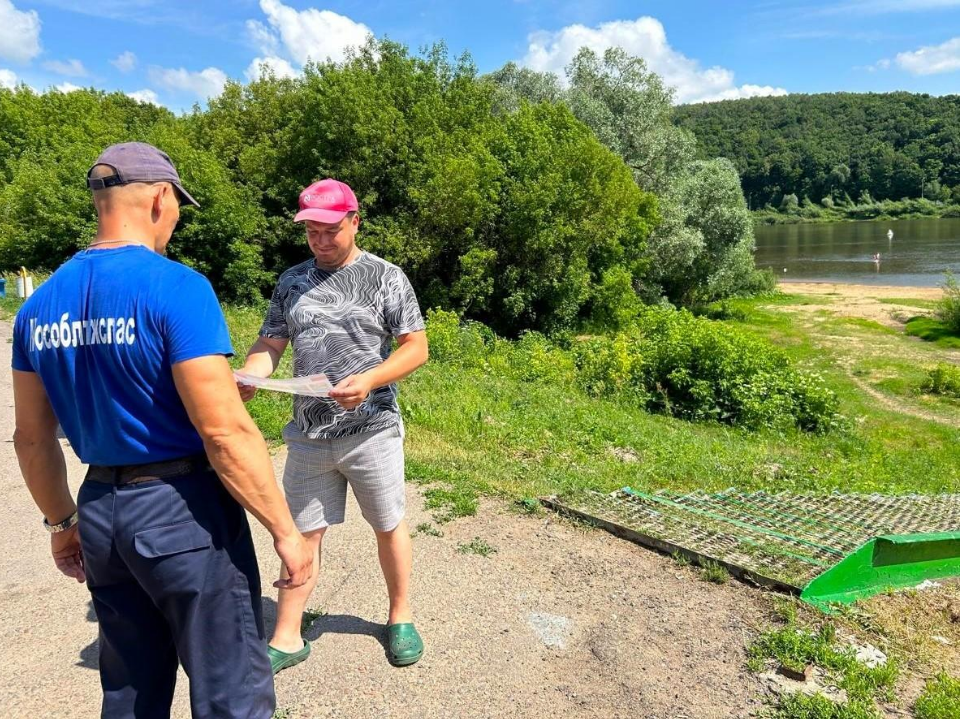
180	52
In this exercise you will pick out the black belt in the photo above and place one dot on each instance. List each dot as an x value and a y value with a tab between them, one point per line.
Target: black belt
131	474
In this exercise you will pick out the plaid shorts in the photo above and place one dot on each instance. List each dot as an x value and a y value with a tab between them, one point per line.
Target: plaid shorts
317	472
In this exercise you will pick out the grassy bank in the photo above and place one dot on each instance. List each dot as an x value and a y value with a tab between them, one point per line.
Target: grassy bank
476	431
473	431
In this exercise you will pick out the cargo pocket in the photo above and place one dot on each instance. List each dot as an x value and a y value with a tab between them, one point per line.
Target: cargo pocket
171	540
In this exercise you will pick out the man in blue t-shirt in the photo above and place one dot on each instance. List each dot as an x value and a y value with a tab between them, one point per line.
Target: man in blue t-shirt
127	350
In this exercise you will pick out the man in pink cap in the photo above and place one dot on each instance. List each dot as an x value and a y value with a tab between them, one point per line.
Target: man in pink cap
342	309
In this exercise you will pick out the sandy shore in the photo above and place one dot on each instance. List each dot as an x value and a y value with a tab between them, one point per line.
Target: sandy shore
888	305
849	290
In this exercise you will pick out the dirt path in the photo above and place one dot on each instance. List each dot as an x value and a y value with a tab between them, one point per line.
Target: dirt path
900	406
557	622
864	302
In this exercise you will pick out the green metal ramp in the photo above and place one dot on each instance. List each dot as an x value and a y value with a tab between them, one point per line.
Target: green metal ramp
828	549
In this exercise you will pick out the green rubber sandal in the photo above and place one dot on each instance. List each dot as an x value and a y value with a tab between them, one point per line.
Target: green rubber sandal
280	660
405	644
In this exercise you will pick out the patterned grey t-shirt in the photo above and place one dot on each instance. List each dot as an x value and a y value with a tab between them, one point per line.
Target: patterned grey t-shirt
342	323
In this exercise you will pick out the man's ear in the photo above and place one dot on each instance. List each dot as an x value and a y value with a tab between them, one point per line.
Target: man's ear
160	197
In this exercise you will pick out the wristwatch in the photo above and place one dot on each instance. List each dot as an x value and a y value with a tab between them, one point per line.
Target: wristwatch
61	526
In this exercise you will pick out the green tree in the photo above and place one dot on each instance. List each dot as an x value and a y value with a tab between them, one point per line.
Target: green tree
507	211
789	203
703	250
49	142
889	144
630	111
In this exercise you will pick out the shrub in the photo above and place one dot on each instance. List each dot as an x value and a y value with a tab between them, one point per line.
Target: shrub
668	361
789	203
944	379
699	369
948	308
940	698
456	343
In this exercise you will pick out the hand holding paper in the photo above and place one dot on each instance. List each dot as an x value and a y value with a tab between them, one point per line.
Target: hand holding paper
309	385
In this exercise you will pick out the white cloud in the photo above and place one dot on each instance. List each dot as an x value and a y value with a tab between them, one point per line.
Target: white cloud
306	35
67	87
878	65
70	68
125	62
145	96
8	79
205	84
644	37
19	33
263	38
931	59
280	67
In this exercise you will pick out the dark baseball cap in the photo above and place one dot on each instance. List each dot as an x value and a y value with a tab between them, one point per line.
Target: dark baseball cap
137	162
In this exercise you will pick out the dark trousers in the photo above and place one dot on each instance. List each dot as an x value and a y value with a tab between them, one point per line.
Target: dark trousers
172	570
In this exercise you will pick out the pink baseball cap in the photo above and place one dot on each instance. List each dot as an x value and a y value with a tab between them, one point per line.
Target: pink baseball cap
326	201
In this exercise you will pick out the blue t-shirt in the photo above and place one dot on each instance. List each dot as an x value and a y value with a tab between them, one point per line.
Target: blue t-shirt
102	333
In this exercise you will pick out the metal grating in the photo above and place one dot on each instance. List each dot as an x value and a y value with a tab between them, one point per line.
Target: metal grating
776	539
